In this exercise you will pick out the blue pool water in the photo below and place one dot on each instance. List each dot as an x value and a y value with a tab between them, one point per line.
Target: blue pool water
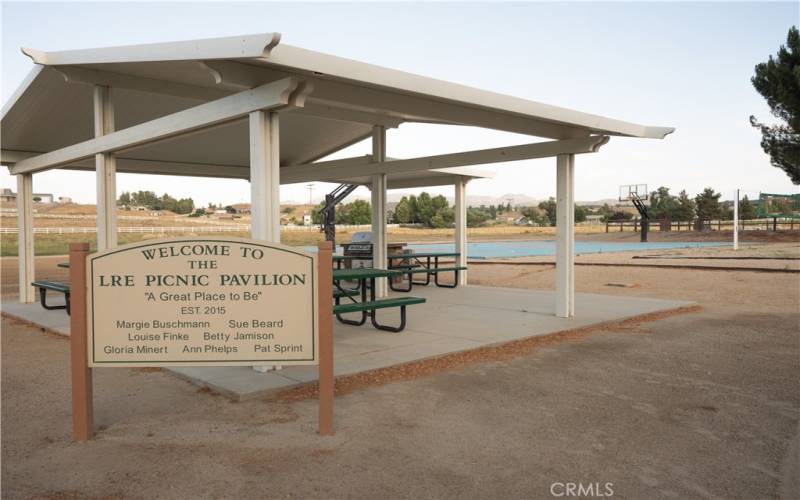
505	249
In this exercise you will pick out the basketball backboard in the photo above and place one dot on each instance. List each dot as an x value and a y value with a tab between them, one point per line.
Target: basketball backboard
629	191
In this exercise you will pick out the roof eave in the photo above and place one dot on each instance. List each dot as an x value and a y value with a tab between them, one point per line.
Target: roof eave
233	47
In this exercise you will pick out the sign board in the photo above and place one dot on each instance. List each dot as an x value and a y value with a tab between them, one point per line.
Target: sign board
202	302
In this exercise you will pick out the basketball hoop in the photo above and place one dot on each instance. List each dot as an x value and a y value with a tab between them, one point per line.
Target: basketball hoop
628	192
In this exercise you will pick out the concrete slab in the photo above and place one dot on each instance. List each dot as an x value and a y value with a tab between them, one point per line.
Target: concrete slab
54	320
452	320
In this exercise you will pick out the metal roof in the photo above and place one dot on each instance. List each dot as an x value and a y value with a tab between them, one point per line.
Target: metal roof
53	107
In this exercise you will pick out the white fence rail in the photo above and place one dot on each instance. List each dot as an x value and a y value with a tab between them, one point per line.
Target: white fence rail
153	230
239	228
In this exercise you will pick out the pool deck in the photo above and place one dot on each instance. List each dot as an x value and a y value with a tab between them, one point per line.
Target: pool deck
451	321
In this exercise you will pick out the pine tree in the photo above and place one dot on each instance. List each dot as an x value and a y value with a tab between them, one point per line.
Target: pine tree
708	207
778	80
747	210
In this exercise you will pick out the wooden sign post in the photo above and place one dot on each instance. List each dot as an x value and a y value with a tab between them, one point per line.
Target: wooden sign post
325	294
82	406
199	302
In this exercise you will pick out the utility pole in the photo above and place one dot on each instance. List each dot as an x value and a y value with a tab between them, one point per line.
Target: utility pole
736	221
310	188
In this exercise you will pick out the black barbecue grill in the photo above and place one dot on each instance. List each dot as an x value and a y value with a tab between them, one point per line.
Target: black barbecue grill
360	250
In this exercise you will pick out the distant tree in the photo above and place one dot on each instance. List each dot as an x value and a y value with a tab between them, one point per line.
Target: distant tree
778	81
580	213
747	210
477	216
403	213
360	212
707	204
549	209
185	206
684	212
147	199
316	213
534	215
424	209
726	211
439	202
606	212
412	203
621	215
285	210
662	204
124	199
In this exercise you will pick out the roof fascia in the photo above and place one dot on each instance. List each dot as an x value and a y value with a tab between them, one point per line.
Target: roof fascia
232	47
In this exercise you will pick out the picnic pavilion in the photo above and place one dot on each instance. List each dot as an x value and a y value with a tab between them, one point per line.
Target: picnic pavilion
251	107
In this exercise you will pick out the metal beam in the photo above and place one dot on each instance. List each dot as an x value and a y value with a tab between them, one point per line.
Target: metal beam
330	172
89	76
266	97
129	165
347	115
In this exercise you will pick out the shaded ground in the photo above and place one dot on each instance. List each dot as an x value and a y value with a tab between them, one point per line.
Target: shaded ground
699	405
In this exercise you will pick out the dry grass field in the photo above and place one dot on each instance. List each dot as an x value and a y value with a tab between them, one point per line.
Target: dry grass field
83	216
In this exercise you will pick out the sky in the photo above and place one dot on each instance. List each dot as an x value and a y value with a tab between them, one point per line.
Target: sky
682	65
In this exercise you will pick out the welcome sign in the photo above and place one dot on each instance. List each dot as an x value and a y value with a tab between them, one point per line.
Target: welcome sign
201	302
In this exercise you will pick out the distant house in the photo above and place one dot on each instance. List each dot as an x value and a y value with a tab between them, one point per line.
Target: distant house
43	197
242	208
8	195
64	199
594	219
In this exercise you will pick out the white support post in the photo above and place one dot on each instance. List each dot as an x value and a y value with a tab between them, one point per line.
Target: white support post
25	237
379	209
265	177
736	221
265	185
565	236
461	227
571	234
106	170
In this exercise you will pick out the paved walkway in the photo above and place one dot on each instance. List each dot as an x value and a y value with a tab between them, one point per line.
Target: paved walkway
451	320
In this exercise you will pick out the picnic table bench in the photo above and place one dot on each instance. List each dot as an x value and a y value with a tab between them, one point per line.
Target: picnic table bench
368	304
416	266
55	286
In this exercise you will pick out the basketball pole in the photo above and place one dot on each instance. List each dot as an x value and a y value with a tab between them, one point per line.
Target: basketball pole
736	221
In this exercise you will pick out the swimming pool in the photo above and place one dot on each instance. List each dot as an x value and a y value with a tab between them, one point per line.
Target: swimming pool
507	249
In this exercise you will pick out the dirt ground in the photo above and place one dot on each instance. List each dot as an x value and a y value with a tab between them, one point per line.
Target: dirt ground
698	405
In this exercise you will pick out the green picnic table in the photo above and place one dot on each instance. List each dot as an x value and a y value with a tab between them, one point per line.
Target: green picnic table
368	305
414	266
53	286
